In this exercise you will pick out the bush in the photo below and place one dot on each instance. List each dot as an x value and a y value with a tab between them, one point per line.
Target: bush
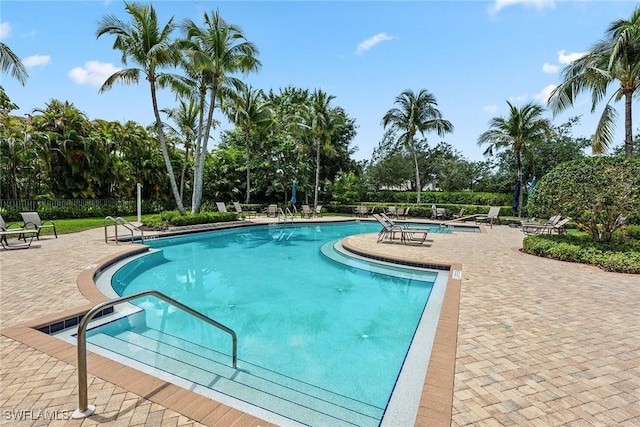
592	191
173	218
622	255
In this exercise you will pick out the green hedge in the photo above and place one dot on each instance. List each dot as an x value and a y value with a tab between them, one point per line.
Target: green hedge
622	255
173	218
439	197
87	210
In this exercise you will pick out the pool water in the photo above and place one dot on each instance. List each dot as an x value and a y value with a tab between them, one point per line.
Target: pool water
344	329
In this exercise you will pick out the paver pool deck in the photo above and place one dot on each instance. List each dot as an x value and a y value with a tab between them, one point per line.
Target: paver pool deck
538	342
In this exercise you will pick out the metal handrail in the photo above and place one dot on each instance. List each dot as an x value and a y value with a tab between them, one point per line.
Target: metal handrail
126	224
84	409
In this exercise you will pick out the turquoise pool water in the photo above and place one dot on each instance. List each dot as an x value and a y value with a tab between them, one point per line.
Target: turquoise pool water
344	329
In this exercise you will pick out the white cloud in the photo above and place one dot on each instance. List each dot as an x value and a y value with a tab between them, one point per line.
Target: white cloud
550	68
519	98
498	5
36	60
372	41
567	58
5	30
543	95
93	73
491	109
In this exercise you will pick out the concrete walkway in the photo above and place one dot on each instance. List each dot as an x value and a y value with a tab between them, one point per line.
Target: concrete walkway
539	342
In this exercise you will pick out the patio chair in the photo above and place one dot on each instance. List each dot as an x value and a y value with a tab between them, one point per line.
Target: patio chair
271	210
239	210
306	211
221	207
391	211
494	213
438	213
318	211
416	227
32	220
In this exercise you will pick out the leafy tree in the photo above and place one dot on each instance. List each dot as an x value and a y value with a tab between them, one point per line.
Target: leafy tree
145	42
523	128
613	60
9	62
416	113
594	190
217	50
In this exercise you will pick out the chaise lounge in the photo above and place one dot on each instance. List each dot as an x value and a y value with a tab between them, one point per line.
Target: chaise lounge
32	220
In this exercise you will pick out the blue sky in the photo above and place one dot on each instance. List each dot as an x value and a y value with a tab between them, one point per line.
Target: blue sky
472	55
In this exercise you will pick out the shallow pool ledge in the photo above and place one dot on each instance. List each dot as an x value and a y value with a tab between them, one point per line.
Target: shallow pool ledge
436	403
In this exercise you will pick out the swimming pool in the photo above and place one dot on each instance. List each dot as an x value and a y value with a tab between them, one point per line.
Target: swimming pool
331	338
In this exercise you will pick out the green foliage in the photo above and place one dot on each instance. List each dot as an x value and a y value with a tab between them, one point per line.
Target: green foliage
621	255
439	197
593	191
173	218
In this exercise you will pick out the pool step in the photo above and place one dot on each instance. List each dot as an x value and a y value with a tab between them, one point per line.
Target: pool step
335	252
296	400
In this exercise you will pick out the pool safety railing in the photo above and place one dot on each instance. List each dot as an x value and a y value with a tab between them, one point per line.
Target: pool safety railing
123	222
284	216
84	409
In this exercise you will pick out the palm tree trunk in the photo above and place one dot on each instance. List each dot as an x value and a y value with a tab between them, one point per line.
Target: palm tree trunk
197	195
519	184
628	136
196	156
184	171
315	194
247	198
415	163
165	151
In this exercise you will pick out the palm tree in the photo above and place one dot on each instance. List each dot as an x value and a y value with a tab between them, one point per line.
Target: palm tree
614	59
147	44
249	111
322	122
185	117
415	113
10	62
523	127
217	51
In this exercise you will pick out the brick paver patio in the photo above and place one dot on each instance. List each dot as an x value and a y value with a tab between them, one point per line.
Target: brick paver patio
539	342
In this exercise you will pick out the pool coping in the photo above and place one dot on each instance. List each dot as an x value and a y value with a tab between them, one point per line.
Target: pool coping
436	403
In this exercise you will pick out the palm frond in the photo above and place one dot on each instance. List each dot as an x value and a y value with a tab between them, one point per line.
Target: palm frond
605	131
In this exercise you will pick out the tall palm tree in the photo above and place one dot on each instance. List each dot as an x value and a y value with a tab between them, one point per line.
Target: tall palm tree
217	51
10	62
416	113
146	43
249	111
615	59
185	117
523	127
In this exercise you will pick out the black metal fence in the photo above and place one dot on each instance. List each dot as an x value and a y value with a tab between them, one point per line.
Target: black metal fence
33	204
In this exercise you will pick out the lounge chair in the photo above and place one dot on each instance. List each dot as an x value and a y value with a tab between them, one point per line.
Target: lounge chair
403	213
408	236
32	220
494	213
416	227
555	227
11	230
459	214
318	211
306	211
239	210
221	207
